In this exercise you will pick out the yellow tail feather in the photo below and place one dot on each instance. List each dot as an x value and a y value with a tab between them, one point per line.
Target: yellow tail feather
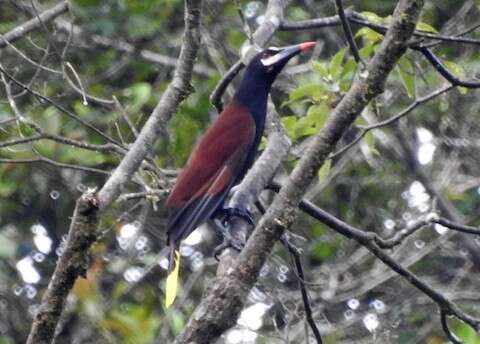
172	281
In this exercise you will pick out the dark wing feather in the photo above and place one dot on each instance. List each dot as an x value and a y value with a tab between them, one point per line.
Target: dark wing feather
197	210
210	173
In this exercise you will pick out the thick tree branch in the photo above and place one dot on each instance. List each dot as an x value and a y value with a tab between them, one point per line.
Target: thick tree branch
72	263
82	233
223	301
33	24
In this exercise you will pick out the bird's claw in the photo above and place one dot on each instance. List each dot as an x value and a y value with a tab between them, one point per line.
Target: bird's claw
228	242
237	212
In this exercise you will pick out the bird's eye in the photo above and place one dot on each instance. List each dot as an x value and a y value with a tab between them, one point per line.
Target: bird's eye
269	56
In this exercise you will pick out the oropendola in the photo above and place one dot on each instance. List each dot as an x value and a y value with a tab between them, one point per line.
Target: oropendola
223	156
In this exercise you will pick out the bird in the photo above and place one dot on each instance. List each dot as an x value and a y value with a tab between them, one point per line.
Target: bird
222	157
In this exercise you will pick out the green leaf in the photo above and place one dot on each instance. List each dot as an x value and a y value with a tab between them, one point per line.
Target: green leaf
51	120
426	27
324	250
369	35
81	109
458	71
177	323
304	127
370	141
324	170
312	90
318	114
465	333
367	51
139	94
336	63
289	124
407	76
320	69
373	17
348	74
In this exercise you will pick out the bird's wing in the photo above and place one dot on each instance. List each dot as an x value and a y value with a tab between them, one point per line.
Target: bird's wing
210	173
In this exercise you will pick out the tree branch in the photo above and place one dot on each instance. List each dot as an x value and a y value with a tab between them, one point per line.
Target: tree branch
73	263
443	71
357	18
53	163
33	24
348	31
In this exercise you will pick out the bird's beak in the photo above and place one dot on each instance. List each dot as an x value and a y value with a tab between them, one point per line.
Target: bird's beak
286	53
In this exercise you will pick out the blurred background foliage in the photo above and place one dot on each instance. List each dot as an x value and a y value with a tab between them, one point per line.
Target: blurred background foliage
392	177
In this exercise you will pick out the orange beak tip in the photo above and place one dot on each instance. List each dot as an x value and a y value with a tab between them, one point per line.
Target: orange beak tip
307	45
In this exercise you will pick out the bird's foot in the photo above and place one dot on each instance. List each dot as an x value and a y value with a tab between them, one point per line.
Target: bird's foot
229	241
237	212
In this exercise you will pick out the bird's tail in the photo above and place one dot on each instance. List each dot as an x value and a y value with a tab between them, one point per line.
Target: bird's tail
172	278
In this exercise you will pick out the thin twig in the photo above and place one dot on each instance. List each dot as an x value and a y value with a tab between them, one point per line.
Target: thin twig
357	18
143	194
296	259
91	41
347	30
246	27
125	117
80	89
54	163
443	71
43	135
303	289
28	59
221	86
456	226
393	119
70	114
33	24
463	33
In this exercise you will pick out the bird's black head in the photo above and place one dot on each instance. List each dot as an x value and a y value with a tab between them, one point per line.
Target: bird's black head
262	71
